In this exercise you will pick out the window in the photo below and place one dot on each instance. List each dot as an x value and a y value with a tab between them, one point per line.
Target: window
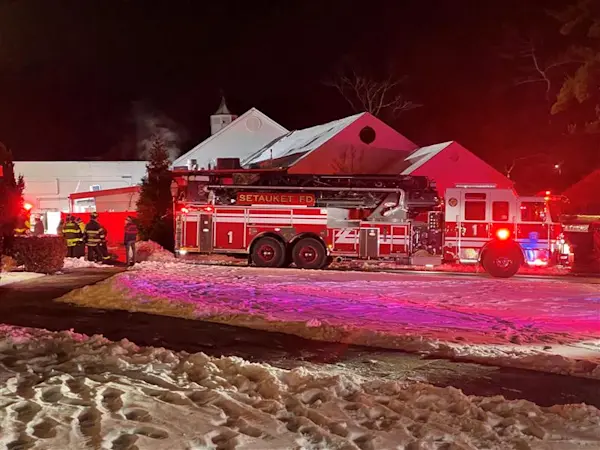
367	135
475	196
500	211
533	212
474	210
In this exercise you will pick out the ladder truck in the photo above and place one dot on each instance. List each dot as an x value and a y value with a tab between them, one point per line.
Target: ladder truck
278	219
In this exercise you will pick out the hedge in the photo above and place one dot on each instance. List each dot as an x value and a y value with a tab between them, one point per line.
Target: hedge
40	254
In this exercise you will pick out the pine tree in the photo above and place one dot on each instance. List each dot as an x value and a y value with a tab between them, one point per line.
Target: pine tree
154	206
11	193
580	91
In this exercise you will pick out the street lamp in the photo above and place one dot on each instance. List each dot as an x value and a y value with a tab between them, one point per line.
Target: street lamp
558	168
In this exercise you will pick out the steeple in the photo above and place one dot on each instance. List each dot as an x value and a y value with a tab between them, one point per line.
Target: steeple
223	109
221	118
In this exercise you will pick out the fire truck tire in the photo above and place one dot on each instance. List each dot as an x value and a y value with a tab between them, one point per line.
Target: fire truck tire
502	262
268	252
309	253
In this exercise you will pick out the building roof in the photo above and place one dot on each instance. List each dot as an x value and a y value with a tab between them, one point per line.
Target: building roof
420	156
182	160
299	143
105	192
223	109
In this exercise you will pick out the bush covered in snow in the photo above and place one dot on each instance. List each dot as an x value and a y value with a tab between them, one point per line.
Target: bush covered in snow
39	254
151	251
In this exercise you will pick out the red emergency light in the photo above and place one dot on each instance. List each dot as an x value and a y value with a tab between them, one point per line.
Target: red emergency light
27	206
503	234
185	210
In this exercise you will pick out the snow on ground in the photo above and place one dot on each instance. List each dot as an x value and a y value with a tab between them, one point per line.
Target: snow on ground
64	390
382	265
15	277
539	324
151	251
80	263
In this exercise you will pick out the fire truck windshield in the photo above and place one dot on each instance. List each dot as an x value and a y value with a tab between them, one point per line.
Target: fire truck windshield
533	212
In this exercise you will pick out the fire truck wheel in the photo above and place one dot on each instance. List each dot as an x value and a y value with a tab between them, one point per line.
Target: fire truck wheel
268	252
309	253
502	262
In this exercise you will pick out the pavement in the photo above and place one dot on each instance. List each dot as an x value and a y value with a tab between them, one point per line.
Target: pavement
30	304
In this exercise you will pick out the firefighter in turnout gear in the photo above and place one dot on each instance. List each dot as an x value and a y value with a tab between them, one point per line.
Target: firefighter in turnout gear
23	226
73	236
95	240
129	239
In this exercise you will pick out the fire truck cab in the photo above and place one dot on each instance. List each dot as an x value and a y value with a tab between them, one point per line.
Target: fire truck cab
279	219
485	224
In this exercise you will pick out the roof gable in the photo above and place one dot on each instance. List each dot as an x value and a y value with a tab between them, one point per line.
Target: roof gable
300	142
421	155
182	160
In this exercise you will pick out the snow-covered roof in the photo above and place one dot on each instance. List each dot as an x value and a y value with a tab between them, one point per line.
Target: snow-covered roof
422	155
300	142
182	160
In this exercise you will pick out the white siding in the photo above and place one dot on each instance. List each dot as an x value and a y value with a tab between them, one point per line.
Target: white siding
48	184
245	135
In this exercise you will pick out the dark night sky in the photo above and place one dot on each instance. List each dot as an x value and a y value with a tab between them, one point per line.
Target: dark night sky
70	69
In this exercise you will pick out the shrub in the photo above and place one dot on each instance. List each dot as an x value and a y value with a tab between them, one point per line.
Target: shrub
8	263
40	254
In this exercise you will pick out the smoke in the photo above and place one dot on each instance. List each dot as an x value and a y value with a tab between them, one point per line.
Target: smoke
150	124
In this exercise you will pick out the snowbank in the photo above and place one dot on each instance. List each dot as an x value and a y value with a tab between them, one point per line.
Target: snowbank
64	390
382	265
81	263
15	277
151	251
545	325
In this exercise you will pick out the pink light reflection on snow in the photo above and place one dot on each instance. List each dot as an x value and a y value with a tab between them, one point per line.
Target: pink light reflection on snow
480	310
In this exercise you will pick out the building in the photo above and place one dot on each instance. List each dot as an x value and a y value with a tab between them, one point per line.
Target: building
48	184
450	164
583	197
363	144
231	137
357	144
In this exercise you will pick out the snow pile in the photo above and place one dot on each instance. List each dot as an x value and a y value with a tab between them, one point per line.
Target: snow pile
546	325
151	251
16	277
383	265
64	390
80	263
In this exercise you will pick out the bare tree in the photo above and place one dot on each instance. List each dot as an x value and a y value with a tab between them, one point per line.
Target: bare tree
376	96
538	68
541	158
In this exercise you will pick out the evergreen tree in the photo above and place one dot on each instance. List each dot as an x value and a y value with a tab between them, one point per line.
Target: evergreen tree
154	207
580	91
11	193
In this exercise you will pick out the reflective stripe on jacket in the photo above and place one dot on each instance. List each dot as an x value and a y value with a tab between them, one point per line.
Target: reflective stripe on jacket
95	234
72	233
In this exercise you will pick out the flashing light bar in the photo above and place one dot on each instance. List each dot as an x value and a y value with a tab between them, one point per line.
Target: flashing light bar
477	186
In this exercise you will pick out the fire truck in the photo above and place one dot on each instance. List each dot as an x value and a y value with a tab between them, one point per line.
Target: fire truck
277	219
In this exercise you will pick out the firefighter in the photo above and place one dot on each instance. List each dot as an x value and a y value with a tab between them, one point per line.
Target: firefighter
38	228
95	240
80	247
23	224
129	240
73	236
